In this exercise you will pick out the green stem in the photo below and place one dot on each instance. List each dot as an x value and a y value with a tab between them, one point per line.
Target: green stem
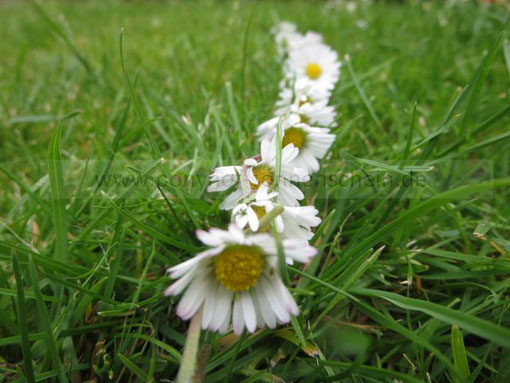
189	357
266	220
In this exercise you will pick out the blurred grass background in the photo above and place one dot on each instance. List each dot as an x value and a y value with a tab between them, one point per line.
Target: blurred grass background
83	272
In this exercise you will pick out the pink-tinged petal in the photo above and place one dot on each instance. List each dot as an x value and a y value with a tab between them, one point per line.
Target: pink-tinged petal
182	268
251	176
192	299
177	287
250	162
208	238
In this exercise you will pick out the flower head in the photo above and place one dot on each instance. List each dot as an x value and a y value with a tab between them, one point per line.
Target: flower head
293	222
259	169
316	64
313	142
288	38
237	281
312	113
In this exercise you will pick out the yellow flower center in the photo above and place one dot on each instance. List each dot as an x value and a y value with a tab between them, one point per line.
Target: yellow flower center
296	136
303	119
260	211
262	173
313	71
238	267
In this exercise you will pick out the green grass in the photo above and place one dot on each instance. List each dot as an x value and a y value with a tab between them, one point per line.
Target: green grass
411	283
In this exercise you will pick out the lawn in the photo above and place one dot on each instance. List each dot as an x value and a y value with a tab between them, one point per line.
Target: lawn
104	159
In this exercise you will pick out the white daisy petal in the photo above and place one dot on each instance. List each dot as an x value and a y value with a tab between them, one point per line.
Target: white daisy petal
229	202
192	299
222	309
264	307
249	315
250	162
272	295
209	306
182	268
253	220
211	280
237	317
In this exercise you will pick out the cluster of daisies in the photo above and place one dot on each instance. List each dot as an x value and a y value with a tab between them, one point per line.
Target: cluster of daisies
236	280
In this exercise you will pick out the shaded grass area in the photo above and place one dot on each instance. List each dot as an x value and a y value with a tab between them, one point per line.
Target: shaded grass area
411	281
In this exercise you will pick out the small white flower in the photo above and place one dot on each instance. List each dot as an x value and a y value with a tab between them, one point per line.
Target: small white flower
316	114
237	281
313	143
287	38
298	40
249	213
293	222
283	32
299	90
306	100
316	63
258	170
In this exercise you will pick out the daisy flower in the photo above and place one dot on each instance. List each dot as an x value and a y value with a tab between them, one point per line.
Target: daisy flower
237	281
316	63
287	38
282	33
258	170
293	222
317	114
299	90
313	143
308	101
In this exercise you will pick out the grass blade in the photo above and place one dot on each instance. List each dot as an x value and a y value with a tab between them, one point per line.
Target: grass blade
475	87
61	33
56	178
133	368
460	360
474	325
362	94
149	230
22	322
44	319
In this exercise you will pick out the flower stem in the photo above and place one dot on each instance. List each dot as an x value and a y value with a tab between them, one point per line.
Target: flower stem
189	357
266	220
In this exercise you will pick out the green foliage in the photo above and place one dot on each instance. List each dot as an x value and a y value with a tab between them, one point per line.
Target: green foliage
411	280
